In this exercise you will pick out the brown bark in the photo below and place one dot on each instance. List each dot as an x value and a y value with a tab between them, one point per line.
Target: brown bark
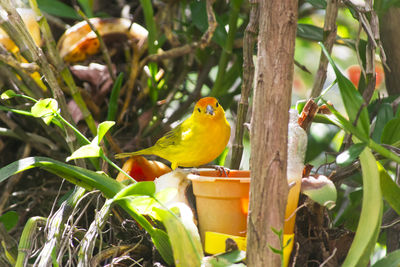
389	27
269	127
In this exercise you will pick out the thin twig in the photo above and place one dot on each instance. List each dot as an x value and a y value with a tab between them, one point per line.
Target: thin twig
250	38
329	40
103	47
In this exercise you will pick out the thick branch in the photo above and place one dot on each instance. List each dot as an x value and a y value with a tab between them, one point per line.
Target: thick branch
269	130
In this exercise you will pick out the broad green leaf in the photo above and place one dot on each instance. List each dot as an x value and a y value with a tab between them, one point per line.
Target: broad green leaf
347	157
371	213
351	98
8	94
74	174
45	109
310	32
57	8
86	151
9	219
141	188
158	236
384	115
390	260
91	180
184	236
320	189
87	6
390	190
226	259
102	129
338	119
391	132
113	104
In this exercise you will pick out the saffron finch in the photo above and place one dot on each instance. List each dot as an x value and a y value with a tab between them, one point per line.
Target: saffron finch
198	140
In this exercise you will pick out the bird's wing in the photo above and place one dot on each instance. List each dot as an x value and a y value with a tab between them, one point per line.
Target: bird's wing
176	136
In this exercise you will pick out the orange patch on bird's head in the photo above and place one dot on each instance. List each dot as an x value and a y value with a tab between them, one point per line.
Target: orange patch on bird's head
208	106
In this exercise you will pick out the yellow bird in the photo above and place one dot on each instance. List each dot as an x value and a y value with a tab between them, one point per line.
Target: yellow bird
198	140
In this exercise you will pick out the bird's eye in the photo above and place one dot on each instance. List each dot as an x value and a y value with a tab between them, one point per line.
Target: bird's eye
198	109
217	104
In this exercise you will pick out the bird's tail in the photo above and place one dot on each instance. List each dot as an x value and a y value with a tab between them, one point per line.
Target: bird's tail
146	151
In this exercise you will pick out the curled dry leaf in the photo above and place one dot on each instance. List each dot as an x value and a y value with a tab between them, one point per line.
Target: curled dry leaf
79	41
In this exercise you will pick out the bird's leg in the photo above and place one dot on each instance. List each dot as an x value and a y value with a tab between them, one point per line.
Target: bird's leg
222	170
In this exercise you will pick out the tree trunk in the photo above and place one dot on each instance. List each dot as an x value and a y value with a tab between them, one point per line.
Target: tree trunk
269	128
389	28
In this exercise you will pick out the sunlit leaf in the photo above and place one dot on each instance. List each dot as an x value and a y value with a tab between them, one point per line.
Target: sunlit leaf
351	98
183	233
147	188
226	259
390	190
347	157
371	214
102	129
45	109
391	132
87	151
390	260
8	94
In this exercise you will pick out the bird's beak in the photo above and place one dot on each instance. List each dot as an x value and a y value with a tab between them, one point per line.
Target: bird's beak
210	110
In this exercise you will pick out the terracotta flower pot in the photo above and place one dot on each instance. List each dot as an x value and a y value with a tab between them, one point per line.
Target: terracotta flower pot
222	202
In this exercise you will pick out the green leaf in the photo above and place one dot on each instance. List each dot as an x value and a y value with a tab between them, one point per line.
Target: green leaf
91	180
390	190
225	259
385	114
158	236
86	151
57	8
347	157
8	94
351	98
310	32
390	260
371	213
74	174
184	236
141	188
87	6
391	132
113	104
102	129
45	109
9	219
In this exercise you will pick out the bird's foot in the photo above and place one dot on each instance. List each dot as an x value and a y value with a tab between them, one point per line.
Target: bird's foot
222	170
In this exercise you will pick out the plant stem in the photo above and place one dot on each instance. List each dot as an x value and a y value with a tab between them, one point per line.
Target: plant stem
116	166
27	239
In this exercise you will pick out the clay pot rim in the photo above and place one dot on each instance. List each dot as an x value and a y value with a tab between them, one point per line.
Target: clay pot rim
211	175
